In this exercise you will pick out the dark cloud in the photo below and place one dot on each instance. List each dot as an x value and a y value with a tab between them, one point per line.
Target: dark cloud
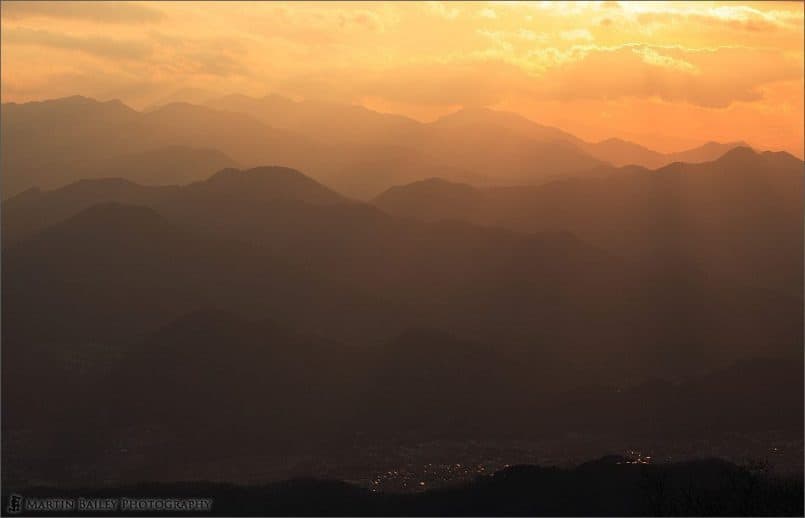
713	78
215	56
99	46
470	84
710	78
102	12
209	63
185	56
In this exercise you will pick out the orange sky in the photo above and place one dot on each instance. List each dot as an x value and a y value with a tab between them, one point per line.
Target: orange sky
667	75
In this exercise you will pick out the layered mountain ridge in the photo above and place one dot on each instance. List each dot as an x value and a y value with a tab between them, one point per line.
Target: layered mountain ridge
156	309
358	151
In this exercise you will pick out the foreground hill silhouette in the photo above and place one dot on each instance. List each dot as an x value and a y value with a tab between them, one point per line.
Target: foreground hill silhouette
609	486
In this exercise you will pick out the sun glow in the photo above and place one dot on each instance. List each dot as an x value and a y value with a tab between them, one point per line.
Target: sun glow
735	68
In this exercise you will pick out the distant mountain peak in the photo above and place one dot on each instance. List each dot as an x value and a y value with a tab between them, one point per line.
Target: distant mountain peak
181	107
615	140
783	155
739	153
430	186
435	181
269	182
714	143
742	149
80	99
475	114
746	155
473	110
109	182
259	174
75	104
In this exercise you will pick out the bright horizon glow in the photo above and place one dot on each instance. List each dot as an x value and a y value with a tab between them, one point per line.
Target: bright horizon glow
668	75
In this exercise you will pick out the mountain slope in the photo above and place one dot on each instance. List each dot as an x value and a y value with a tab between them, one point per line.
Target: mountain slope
432	199
379	150
704	153
265	184
358	151
621	153
739	215
434	330
170	165
475	117
33	210
485	283
89	134
490	141
323	121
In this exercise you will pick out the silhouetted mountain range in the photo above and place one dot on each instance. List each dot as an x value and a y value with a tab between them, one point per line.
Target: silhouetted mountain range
169	165
737	215
224	325
89	134
362	158
621	153
433	329
280	211
485	128
539	283
322	121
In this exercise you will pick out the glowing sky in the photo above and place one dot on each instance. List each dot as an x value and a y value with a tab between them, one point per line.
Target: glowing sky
667	75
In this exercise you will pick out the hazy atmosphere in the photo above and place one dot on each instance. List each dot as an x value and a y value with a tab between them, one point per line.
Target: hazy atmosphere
410	258
687	72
